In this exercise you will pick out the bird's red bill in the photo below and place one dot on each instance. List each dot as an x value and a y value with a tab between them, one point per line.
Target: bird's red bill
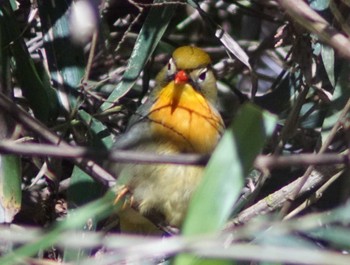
181	77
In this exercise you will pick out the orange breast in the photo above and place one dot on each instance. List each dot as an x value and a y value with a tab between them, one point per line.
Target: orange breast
182	115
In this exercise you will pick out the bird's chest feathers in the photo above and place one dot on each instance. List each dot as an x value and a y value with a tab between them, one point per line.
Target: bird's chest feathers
182	115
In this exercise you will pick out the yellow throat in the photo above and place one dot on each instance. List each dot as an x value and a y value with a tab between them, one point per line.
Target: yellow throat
183	115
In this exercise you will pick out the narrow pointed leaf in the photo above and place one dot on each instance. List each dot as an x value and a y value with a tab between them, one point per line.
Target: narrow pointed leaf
10	187
152	31
225	173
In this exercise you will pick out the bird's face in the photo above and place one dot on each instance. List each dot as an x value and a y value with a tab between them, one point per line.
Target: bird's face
190	65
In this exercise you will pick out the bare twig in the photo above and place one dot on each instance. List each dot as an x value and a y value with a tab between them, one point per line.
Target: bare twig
94	170
323	149
277	199
315	197
313	22
91	56
270	162
121	156
339	17
125	156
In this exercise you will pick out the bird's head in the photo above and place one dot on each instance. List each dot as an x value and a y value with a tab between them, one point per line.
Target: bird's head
190	65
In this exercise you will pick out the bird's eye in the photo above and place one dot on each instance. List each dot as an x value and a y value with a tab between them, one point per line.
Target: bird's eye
171	67
202	75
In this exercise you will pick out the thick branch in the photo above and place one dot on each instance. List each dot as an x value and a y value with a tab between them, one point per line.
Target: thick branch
278	198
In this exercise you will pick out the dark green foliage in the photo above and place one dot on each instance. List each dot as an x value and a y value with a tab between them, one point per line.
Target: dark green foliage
283	76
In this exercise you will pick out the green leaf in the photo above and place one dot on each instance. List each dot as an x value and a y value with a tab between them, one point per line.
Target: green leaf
229	42
330	226
41	97
66	64
229	165
10	165
340	97
65	59
327	55
101	137
319	5
152	31
339	236
83	188
225	173
10	187
100	208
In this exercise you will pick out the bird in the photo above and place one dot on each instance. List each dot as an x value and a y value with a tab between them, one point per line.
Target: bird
179	116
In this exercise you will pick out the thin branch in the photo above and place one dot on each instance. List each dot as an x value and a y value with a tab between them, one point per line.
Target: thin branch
307	18
323	149
315	197
91	56
90	167
121	156
277	199
262	162
270	162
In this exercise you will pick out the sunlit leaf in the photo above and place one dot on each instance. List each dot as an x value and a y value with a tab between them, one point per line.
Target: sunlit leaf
227	40
100	208
319	5
152	30
225	173
327	55
10	187
65	59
